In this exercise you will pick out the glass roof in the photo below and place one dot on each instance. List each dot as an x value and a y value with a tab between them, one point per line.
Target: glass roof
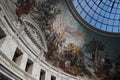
101	14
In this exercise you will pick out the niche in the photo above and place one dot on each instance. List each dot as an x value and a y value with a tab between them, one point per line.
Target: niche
18	56
42	75
29	66
53	77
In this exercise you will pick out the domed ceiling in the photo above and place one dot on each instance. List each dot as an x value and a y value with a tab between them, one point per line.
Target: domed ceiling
100	15
70	44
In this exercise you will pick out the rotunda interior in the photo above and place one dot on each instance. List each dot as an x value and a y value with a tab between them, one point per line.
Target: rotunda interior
59	40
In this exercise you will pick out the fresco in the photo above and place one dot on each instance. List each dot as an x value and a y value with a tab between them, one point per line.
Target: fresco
73	48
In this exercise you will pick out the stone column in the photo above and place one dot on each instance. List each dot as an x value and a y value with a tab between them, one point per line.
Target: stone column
36	71
47	75
24	61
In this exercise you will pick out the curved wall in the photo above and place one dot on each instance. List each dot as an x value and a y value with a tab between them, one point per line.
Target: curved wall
21	55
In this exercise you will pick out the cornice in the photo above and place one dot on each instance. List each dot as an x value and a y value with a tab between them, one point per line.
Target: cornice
12	66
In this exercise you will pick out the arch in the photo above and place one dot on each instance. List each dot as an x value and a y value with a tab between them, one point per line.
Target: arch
38	38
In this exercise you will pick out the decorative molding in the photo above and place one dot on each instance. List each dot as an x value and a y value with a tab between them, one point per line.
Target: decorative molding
4	60
11	74
35	33
45	65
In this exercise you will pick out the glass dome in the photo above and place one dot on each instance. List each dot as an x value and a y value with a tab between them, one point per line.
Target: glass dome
101	14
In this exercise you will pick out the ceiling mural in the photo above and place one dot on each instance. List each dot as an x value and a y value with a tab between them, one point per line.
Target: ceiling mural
71	47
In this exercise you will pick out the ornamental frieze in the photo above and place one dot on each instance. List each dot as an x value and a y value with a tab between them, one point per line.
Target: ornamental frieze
35	34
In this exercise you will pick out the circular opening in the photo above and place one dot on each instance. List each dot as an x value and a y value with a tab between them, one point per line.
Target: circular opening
103	15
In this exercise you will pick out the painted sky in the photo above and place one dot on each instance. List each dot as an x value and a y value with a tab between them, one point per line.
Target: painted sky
76	33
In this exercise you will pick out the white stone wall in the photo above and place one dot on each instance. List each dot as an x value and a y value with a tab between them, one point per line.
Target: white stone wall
8	47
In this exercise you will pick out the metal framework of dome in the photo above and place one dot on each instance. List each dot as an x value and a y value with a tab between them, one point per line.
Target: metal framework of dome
103	15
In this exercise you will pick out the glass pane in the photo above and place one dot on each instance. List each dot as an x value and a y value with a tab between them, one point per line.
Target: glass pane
101	14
